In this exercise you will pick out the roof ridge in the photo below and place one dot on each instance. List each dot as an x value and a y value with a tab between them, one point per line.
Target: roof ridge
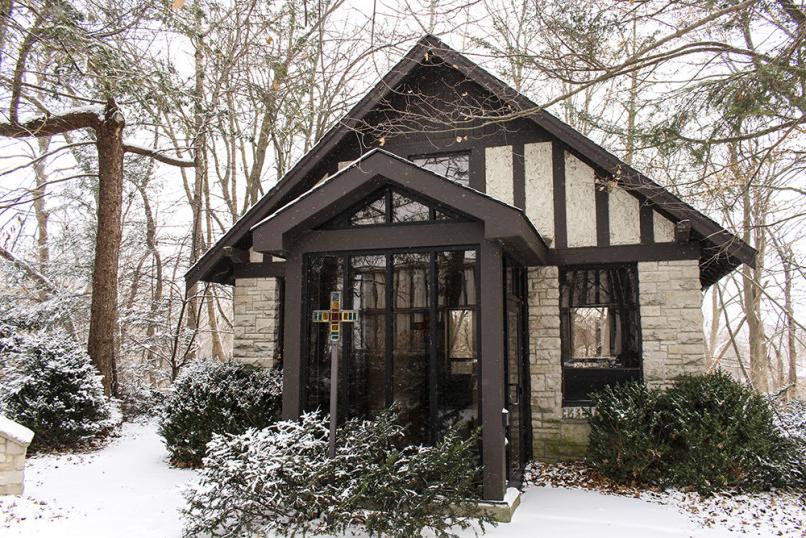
641	184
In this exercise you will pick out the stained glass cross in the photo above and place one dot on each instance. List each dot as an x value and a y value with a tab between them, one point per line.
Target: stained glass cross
335	317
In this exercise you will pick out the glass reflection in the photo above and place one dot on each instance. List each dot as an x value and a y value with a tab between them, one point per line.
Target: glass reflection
367	356
410	347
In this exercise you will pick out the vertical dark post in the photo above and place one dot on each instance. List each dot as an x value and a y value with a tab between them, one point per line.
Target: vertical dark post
292	339
334	396
492	371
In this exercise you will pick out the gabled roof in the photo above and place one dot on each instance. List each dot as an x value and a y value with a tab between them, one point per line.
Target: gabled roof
504	223
723	251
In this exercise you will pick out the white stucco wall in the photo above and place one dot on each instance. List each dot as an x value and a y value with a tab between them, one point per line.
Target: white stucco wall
580	196
539	176
625	218
663	227
498	173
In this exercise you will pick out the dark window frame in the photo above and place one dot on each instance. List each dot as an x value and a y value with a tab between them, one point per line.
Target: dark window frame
387	191
597	376
390	312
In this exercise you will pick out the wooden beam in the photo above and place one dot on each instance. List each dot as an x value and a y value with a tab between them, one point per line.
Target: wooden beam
259	270
493	402
624	254
682	231
236	255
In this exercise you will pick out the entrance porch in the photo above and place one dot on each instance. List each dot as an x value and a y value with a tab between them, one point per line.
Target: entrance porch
440	287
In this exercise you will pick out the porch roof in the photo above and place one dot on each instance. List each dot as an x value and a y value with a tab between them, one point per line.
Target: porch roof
502	222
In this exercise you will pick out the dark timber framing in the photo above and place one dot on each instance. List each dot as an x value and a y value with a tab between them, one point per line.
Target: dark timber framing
504	223
602	216
493	229
721	251
291	221
558	177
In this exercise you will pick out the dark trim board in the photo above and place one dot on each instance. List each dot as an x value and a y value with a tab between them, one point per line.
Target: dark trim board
380	238
624	254
602	215
558	177
259	270
492	346
502	222
214	266
647	220
518	176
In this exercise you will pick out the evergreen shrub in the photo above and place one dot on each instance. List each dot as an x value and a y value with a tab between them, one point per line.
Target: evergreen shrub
627	439
281	480
210	397
51	387
706	432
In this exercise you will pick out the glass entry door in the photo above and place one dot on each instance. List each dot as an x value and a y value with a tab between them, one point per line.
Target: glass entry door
415	342
517	372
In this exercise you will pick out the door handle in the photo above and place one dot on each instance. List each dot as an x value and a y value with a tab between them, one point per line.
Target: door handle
517	393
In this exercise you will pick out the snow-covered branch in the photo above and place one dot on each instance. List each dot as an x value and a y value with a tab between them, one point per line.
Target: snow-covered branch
38	277
157	155
53	124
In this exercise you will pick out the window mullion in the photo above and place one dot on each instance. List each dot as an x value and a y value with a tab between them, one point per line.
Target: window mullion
433	403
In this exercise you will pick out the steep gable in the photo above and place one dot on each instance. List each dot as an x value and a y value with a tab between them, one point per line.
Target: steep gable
562	180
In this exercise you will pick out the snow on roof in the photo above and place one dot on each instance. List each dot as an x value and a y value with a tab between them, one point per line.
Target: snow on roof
15	432
358	162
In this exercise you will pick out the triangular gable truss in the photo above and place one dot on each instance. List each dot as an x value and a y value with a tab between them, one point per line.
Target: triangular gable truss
378	169
722	251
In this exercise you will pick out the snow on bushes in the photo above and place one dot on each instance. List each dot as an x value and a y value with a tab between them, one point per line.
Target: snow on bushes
706	432
281	480
51	387
212	397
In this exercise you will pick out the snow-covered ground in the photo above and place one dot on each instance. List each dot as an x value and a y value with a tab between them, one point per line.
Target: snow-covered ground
127	489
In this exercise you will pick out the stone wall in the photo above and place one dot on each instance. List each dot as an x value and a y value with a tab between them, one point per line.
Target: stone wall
553	436
14	441
671	320
256	303
673	344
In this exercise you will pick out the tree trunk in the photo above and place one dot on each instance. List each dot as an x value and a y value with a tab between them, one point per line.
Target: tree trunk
789	312
751	278
41	176
103	310
200	168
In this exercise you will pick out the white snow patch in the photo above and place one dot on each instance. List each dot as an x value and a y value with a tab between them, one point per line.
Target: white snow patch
511	495
576	513
128	489
14	431
125	489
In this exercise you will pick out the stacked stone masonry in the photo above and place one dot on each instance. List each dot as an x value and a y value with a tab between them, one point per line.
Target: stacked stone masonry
14	441
673	344
671	320
257	321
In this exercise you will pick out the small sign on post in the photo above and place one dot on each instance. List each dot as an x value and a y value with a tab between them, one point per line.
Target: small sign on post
335	317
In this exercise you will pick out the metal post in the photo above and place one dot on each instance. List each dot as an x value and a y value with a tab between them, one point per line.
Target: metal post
334	396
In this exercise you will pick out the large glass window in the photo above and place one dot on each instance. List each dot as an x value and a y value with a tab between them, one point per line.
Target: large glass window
367	354
391	206
601	330
454	166
458	364
325	274
415	342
